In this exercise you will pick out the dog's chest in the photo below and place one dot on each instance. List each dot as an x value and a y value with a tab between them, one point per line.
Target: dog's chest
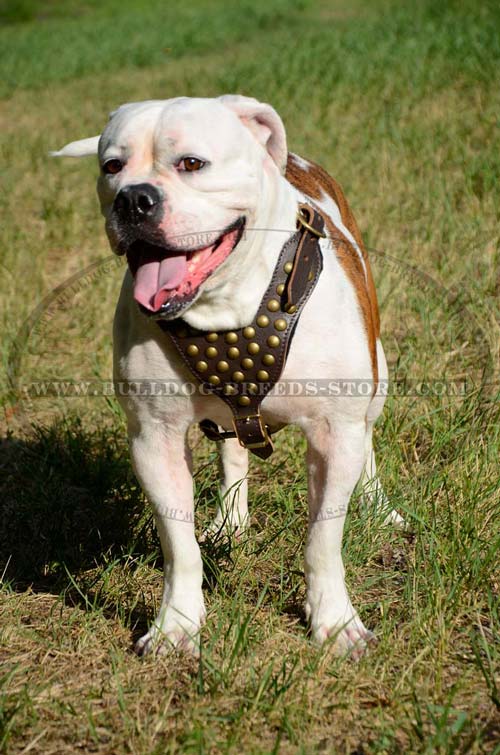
329	345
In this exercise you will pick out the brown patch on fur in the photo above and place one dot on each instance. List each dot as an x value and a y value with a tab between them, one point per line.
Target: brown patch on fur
313	182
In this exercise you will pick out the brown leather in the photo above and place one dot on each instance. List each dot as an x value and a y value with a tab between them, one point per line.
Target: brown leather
241	366
303	264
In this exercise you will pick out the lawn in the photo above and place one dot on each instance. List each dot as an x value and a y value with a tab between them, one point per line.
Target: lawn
400	102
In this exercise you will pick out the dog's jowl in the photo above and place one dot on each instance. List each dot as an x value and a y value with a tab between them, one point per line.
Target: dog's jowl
246	276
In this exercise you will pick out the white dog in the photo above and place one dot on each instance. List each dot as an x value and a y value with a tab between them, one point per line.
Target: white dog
180	180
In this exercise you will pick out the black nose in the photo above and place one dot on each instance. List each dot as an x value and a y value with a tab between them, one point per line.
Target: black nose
137	203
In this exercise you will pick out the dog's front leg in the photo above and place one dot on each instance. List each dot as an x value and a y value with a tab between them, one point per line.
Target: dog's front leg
335	462
162	463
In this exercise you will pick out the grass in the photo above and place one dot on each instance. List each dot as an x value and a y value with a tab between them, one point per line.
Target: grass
400	103
97	37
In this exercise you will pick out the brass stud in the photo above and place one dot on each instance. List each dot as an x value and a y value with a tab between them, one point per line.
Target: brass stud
231	337
288	267
192	350
229	390
214	379
280	288
243	401
233	352
280	324
253	388
268	359
291	309
273	342
222	366
249	332
211	337
263	375
310	276
273	305
211	352
238	376
262	321
201	366
247	363
253	348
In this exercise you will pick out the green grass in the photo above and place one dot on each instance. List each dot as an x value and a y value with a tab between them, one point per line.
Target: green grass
63	42
400	103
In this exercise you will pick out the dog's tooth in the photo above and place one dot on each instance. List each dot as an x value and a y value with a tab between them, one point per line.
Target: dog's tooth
193	261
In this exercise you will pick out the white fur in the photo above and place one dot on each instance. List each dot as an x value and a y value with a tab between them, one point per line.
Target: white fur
329	343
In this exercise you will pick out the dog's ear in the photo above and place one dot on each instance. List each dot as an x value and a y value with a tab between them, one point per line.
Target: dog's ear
264	122
81	148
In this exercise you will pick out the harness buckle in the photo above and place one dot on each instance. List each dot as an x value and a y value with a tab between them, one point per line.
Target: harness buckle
304	221
262	428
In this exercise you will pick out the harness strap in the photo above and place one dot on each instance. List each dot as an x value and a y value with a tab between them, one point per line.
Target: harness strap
241	366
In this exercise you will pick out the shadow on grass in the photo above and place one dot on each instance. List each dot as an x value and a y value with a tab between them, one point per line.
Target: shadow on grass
70	503
75	523
67	498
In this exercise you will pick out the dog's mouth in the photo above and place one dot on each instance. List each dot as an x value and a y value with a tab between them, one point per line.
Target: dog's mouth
166	279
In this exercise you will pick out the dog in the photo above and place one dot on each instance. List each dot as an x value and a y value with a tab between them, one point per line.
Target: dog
202	195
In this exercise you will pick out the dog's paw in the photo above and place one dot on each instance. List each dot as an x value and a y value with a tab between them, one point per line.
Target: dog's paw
393	519
351	640
332	618
158	642
173	630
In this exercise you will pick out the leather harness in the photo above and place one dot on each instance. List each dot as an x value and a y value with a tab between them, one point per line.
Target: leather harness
241	366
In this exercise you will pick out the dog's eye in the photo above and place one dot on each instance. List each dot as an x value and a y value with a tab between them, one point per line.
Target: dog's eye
190	164
112	166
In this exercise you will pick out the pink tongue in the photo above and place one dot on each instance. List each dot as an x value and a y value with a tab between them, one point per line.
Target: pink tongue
153	280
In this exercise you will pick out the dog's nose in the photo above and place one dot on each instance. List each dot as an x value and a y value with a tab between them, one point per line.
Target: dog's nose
137	203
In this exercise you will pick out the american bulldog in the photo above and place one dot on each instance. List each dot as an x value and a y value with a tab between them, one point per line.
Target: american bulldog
201	195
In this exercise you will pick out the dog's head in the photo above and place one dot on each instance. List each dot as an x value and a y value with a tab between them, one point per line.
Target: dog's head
180	179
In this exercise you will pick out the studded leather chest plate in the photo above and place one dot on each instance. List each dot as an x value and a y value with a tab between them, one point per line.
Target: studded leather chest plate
241	366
